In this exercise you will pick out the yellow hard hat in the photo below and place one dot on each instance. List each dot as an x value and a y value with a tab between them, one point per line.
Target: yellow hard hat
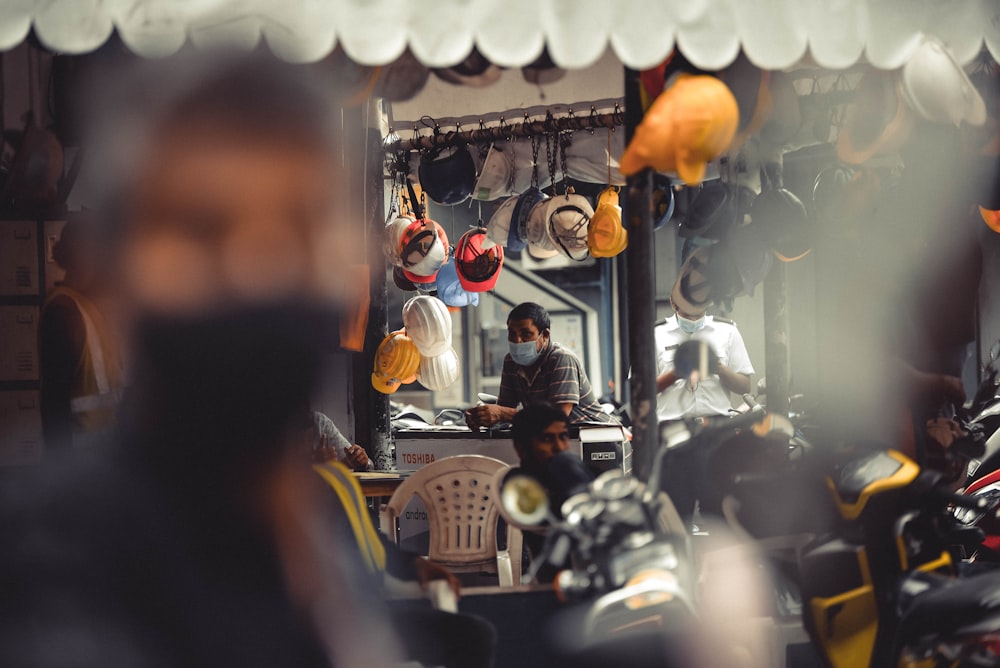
396	362
605	236
688	125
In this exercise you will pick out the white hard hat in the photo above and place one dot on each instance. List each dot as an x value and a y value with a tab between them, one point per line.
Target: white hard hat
567	218
440	371
428	323
540	245
936	87
498	229
392	236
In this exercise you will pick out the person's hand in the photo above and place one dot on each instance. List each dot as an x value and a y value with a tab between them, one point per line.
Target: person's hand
356	457
485	415
428	571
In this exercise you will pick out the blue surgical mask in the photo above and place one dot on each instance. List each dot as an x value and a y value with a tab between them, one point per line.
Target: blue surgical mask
525	353
691	326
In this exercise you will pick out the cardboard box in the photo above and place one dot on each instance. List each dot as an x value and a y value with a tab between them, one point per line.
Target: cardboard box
21	440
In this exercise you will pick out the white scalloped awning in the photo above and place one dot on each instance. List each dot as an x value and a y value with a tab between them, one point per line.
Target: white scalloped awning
775	34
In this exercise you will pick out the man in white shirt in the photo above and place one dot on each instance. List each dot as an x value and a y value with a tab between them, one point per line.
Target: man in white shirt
711	396
684	475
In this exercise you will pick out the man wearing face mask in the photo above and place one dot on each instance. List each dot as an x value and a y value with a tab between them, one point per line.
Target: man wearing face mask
538	369
199	537
732	372
684	479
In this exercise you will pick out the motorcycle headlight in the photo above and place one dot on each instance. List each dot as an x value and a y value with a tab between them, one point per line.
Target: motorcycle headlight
659	586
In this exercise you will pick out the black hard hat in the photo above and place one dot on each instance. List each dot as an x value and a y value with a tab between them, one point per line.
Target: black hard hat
448	177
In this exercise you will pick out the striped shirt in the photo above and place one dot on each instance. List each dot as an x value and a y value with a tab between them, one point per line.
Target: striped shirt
559	378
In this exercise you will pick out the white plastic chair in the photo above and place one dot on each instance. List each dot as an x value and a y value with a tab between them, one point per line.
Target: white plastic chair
462	513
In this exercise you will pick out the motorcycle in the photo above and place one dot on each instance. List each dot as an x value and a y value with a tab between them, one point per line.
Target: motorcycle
880	585
624	553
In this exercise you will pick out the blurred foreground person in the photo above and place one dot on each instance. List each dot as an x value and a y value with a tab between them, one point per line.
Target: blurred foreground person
201	539
79	350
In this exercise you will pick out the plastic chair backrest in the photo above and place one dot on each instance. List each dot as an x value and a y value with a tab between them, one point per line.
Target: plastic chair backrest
462	513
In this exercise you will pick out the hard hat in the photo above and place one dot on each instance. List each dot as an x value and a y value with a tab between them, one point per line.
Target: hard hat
448	176
396	361
438	372
518	238
474	70
877	123
936	87
450	290
783	223
423	249
543	70
605	235
401	79
540	245
428	323
478	268
567	217
750	254
689	124
401	281
692	291
712	212
496	178
785	117
663	200
393	236
499	229
991	218
749	85
843	197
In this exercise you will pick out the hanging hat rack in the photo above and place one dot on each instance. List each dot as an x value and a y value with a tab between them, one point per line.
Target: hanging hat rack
505	131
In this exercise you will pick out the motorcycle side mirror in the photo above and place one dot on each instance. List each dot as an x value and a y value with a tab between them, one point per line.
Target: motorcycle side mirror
523	500
486	398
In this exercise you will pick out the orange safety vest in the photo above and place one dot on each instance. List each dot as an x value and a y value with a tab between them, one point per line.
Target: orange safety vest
98	378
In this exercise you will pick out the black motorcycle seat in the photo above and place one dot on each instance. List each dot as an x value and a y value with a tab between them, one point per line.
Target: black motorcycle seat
949	604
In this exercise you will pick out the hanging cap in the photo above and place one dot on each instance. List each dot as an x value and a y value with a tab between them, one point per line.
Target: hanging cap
518	238
688	125
448	176
428	323
540	244
663	200
712	213
450	290
496	178
498	230
438	372
936	87
423	249
478	268
783	223
605	235
396	361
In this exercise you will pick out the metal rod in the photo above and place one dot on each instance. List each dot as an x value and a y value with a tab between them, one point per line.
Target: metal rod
504	132
640	258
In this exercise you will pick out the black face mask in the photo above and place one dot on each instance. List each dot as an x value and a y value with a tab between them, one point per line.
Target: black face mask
226	386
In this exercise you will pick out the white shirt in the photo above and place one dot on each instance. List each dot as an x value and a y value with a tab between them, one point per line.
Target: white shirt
710	397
